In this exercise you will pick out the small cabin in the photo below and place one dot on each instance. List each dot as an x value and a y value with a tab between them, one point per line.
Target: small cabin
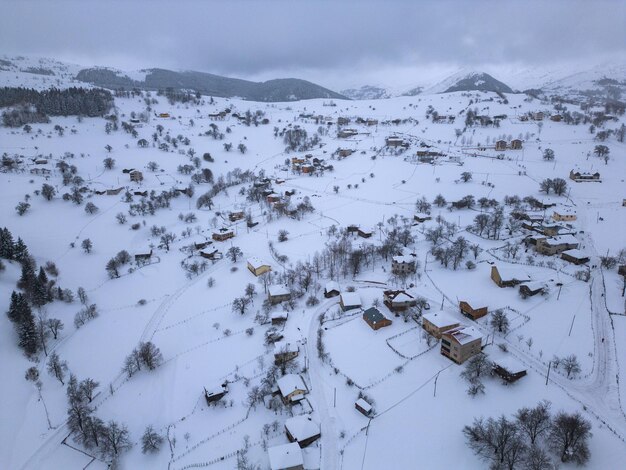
331	289
470	312
363	407
215	394
575	256
223	234
516	144
235	216
507	371
375	319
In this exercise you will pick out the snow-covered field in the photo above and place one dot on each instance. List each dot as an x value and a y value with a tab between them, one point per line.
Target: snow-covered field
205	343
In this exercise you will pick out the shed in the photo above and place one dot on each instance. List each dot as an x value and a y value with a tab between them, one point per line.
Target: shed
508	277
350	301
437	323
291	386
471	312
531	288
331	289
363	407
575	256
278	294
507	370
216	393
257	267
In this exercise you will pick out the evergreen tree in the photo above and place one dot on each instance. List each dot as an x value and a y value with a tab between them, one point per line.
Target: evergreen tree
7	246
27	332
28	279
20	251
39	294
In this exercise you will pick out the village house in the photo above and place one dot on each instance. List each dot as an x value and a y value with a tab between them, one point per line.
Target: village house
258	267
508	370
437	323
501	145
223	234
141	193
507	277
344	133
163	115
143	258
303	430
202	245
404	264
575	256
331	289
349	301
364	232
371	122
216	393
565	215
554	245
273	197
579	176
286	457
136	176
291	388
537	116
556	118
212	255
342	121
398	300
284	352
344	152
421	217
516	144
278	294
470	312
530	289
461	343
363	407
235	216
375	319
395	141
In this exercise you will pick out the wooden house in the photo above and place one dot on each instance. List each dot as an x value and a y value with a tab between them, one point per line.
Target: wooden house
575	256
398	300
507	371
331	289
363	407
284	352
504	277
257	267
113	192
516	144
344	133
364	232
345	152
223	234
279	318
278	294
211	255
202	245
530	289
420	217
375	319
140	193
556	118
461	343
349	301
437	323
291	387
143	258
395	141
342	121
273	197
216	393
286	457
302	429
501	145
470	312
164	115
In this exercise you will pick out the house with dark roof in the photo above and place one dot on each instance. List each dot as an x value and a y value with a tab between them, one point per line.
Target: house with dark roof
375	319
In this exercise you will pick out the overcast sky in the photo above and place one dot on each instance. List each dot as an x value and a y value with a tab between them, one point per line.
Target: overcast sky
335	43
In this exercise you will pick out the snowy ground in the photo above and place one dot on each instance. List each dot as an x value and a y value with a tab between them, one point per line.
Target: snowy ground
204	342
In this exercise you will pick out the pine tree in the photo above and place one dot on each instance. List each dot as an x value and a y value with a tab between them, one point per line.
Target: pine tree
28	279
20	251
6	244
39	294
27	333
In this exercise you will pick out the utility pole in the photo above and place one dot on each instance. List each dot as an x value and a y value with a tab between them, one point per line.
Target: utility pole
548	374
335	399
571	326
560	287
436	377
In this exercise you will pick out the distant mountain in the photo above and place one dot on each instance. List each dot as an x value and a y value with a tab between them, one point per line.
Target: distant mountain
479	81
367	92
287	89
414	91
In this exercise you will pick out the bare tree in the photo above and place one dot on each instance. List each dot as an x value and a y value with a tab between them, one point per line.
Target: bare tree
571	365
151	441
568	437
534	422
500	321
57	368
115	439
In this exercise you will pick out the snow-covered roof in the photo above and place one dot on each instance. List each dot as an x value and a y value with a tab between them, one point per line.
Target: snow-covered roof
290	383
365	406
256	262
575	253
332	285
278	290
351	299
464	334
440	319
302	427
512	272
568	239
535	285
509	363
285	456
403	259
402	297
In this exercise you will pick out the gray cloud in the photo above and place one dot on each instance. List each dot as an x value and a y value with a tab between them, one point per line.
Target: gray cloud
254	38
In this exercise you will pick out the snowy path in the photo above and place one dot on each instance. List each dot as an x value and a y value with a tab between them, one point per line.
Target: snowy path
330	454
